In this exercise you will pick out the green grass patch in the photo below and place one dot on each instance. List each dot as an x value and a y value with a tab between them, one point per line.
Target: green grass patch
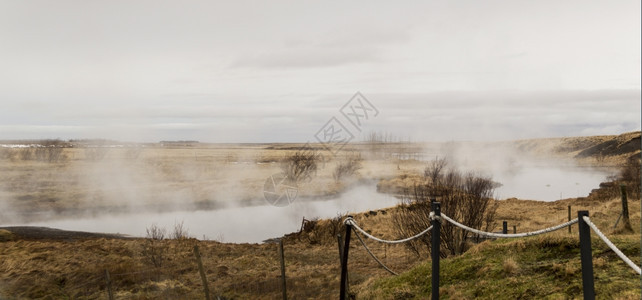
545	267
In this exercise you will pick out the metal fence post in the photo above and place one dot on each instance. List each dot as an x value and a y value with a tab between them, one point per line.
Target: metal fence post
588	285
344	263
504	227
435	249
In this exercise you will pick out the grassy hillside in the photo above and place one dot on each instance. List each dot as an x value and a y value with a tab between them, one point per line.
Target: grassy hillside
530	268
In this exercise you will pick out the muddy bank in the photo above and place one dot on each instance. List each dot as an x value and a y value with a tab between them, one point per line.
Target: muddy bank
46	233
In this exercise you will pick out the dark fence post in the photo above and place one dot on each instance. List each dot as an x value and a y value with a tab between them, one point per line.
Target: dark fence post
514	229
344	263
435	249
282	257
504	227
340	249
569	218
588	285
110	292
201	271
625	209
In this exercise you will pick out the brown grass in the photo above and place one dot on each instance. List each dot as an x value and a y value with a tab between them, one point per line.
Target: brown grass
76	268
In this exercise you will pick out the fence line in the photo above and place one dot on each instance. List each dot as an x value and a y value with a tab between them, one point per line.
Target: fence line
510	235
587	265
372	254
617	251
354	224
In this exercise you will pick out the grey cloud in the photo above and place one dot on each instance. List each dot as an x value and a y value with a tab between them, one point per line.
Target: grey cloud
240	71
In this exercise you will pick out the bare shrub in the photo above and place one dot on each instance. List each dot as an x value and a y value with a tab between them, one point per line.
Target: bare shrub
434	171
179	231
300	165
335	225
154	249
412	217
348	167
630	175
466	198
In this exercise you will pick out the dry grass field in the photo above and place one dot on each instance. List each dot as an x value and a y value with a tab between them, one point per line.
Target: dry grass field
162	177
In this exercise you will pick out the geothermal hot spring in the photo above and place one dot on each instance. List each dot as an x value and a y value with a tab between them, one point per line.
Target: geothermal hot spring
257	223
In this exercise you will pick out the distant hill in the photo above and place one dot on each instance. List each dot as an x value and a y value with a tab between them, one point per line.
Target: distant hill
627	144
603	149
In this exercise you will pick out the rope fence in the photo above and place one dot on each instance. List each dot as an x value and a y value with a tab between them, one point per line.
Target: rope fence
585	225
372	254
510	235
355	226
615	249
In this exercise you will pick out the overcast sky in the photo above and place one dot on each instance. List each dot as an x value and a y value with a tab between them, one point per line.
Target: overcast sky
277	71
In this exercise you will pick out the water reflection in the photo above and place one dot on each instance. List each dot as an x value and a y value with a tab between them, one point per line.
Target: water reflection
238	224
548	183
257	223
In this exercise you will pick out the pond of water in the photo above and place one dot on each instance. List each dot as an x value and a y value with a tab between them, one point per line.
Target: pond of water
258	223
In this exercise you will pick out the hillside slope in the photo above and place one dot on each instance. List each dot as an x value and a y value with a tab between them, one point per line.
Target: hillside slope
529	268
605	150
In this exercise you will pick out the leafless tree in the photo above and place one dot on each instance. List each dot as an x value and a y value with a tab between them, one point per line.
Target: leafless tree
411	217
154	248
466	198
179	231
435	169
630	174
300	165
348	167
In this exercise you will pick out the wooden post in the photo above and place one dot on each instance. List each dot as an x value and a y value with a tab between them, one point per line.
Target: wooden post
340	248
110	292
341	254
514	229
588	285
435	249
206	288
504	227
282	256
569	218
344	264
625	209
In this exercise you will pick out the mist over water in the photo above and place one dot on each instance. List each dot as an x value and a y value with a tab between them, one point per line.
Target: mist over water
254	224
546	183
531	174
176	184
251	224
